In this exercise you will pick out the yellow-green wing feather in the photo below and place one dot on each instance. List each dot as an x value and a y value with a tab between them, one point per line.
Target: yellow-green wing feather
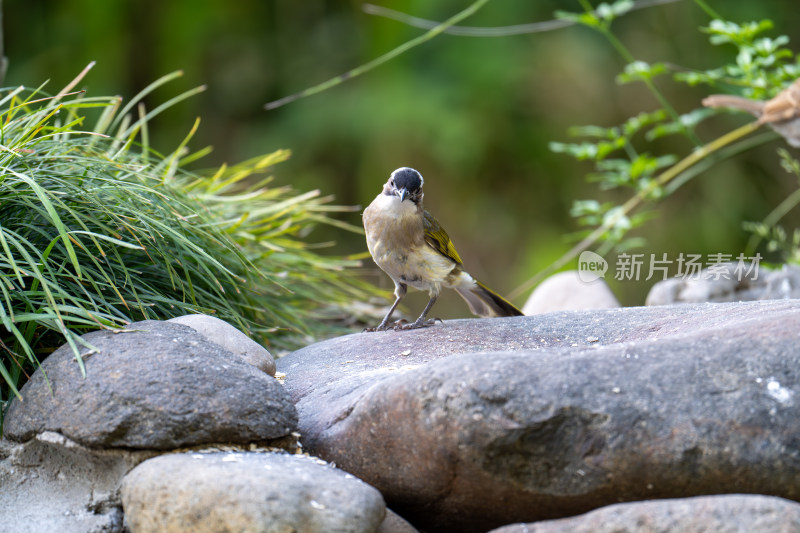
437	237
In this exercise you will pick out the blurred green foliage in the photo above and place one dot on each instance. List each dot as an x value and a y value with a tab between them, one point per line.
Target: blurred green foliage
474	115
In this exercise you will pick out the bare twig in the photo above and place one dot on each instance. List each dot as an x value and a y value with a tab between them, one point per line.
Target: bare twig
496	31
366	67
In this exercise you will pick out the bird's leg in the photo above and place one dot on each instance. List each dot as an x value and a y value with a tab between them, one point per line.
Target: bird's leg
399	291
421	322
385	320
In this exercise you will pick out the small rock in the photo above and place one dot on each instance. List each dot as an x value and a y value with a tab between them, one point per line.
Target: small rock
156	385
665	292
566	291
718	514
254	492
728	282
783	283
231	339
394	523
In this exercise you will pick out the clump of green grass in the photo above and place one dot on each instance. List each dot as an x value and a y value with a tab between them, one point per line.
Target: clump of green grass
97	229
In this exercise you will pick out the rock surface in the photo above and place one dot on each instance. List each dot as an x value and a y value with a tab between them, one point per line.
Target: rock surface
53	484
473	424
713	514
251	492
156	385
566	291
394	523
230	338
728	282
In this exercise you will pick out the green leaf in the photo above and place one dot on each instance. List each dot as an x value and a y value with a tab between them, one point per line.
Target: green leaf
640	71
634	124
687	120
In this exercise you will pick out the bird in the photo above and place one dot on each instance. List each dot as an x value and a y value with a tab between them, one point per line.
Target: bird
782	112
413	249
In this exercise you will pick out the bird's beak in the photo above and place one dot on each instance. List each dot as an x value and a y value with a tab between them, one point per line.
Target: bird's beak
402	193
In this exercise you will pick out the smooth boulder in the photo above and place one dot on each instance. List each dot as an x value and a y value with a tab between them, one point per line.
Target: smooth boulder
735	513
579	410
567	291
153	385
254	492
230	338
728	282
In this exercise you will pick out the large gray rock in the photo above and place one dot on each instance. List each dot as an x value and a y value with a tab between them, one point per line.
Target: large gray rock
736	513
230	338
471	424
53	484
156	385
258	493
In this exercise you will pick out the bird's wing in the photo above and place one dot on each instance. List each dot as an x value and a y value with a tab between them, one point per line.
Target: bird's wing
437	237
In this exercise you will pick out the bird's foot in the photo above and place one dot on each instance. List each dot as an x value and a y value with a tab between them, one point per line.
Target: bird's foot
419	324
403	324
397	324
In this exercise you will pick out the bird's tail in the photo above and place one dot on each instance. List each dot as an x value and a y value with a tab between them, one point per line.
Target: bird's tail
483	301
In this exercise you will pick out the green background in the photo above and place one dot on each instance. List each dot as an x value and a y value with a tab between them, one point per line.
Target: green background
474	115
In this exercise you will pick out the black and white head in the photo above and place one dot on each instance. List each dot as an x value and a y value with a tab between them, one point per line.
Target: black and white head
405	183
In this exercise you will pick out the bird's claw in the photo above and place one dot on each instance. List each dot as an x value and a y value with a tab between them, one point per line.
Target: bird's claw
397	324
419	324
403	325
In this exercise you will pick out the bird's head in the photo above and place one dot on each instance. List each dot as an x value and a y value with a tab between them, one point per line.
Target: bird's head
405	183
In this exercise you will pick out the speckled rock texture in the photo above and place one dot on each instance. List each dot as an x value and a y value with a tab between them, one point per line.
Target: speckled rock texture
220	332
253	492
154	385
472	424
736	513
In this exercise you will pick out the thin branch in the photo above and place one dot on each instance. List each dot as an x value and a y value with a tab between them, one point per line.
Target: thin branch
366	67
468	31
496	31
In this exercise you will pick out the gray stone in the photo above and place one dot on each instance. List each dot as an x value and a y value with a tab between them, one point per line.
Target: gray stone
269	493
231	339
53	484
783	283
567	291
156	385
394	523
728	282
665	292
713	514
471	424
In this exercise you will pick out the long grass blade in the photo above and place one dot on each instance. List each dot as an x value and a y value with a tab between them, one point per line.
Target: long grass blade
144	92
